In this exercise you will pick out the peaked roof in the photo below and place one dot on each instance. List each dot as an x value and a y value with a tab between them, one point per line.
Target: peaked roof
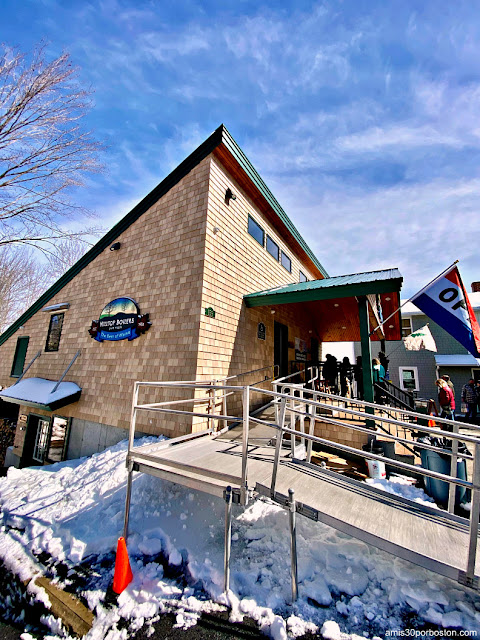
355	284
221	142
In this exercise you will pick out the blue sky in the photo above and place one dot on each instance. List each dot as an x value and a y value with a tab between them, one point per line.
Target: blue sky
362	116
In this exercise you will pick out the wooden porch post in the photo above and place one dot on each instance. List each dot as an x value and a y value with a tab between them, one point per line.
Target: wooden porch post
365	346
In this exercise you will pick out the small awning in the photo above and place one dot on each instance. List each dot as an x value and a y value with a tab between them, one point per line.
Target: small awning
38	393
457	360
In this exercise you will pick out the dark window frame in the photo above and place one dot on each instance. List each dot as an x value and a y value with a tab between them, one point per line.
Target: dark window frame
48	348
302	277
15	357
276	257
284	255
256	226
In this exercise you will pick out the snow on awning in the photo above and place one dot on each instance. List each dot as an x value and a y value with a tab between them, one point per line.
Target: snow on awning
38	393
457	360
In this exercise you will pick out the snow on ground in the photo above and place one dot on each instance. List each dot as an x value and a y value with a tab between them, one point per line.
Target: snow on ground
74	511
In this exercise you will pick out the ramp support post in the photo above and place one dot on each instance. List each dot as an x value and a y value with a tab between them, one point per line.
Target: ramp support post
245	434
452	488
474	515
228	538
128	498
293	543
278	444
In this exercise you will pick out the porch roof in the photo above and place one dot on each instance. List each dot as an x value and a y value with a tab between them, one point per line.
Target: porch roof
39	393
355	284
457	360
332	306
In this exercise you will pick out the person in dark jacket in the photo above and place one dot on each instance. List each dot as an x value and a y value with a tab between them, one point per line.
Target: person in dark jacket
469	397
346	377
358	374
330	371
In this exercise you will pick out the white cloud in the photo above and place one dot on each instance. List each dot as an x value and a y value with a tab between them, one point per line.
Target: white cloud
419	228
165	46
401	137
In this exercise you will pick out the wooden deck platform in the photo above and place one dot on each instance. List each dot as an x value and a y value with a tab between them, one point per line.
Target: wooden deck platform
429	537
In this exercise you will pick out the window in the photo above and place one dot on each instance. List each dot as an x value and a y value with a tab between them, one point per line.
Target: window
303	277
286	262
272	248
406	327
54	332
408	378
19	357
256	231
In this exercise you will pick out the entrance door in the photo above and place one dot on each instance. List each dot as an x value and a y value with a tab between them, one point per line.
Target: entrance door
280	347
36	440
41	441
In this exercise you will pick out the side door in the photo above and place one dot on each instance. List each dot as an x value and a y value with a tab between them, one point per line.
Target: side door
37	437
280	348
42	437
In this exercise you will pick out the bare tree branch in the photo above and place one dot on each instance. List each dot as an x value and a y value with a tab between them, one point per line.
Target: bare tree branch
22	280
44	151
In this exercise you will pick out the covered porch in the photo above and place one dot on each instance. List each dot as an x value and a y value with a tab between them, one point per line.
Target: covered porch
348	308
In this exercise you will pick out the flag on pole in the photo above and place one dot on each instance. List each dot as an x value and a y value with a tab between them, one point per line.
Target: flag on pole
376	305
446	302
420	339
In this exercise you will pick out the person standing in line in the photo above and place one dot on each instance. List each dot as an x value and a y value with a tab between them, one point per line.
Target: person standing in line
446	377
345	369
329	372
469	397
384	361
378	372
446	400
449	382
358	375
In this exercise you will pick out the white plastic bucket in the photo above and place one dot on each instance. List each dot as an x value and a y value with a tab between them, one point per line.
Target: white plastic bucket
376	469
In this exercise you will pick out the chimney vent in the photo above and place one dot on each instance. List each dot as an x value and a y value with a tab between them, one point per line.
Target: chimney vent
475	287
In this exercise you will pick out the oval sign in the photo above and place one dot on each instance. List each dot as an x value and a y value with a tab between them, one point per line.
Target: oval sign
119	320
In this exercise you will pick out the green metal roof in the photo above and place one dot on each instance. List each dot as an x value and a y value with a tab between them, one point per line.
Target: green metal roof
355	284
218	137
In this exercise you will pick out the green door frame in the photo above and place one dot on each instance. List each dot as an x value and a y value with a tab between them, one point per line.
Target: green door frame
368	394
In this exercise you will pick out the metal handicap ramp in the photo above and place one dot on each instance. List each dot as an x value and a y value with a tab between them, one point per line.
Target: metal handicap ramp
253	458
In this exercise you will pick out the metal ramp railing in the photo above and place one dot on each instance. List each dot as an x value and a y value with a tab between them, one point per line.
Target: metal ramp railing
214	462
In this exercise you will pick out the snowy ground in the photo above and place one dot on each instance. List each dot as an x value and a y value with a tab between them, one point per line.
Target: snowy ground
73	511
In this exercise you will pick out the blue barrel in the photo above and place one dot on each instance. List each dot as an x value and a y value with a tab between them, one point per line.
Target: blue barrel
438	489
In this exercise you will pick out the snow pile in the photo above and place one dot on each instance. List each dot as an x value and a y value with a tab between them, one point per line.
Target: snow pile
74	512
401	486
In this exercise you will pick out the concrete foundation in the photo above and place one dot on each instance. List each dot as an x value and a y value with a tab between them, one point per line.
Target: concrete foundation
88	437
11	458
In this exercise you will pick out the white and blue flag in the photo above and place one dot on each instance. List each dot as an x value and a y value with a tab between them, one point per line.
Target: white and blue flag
446	302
